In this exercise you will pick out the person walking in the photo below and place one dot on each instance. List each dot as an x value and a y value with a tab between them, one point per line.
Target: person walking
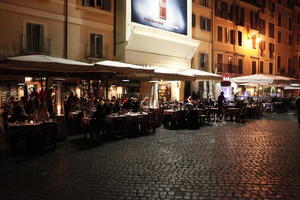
297	102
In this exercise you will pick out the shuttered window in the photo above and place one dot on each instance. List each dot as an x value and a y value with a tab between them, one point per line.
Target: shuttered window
96	43
34	37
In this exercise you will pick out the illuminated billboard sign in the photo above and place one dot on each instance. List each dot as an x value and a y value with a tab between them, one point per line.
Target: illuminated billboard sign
169	15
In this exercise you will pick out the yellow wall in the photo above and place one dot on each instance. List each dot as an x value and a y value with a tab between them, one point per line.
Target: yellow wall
82	21
205	37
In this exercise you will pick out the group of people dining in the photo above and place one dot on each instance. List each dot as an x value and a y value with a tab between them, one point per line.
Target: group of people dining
35	107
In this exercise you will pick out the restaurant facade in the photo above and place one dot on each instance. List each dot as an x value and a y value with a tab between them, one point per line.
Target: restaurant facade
76	30
169	36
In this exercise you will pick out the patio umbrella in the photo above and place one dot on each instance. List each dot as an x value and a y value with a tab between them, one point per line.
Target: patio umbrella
171	73
263	79
202	75
116	66
46	64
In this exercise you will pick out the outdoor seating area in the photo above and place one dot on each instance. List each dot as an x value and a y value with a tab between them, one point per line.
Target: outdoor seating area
200	115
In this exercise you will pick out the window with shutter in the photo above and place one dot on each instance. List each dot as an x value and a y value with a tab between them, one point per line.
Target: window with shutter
261	67
240	69
271	30
270	68
96	45
220	32
279	37
253	67
240	38
101	4
278	63
34	38
290	39
271	50
226	37
203	60
232	36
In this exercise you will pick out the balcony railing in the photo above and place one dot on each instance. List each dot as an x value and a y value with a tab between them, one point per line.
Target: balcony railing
35	45
228	68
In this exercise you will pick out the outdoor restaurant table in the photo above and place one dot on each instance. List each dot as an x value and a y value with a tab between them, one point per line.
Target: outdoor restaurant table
129	124
213	112
29	132
121	124
233	112
173	119
254	111
74	122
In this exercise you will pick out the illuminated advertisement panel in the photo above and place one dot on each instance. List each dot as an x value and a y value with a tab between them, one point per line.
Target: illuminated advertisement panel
169	15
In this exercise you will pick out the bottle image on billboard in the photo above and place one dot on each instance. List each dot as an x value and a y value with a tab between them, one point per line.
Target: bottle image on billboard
163	9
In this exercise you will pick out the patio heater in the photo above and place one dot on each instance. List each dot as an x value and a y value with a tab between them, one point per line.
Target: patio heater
154	95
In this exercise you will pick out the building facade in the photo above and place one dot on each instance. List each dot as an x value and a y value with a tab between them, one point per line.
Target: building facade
80	30
252	37
202	18
228	37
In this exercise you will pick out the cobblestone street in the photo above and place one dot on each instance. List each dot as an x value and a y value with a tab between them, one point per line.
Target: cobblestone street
256	160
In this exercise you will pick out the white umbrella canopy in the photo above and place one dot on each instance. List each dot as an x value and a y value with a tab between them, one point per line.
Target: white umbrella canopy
47	59
202	75
170	73
263	79
292	87
46	64
116	66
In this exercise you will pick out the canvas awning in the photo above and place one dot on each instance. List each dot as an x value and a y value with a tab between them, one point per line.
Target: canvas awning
292	87
202	75
115	66
263	79
169	73
46	64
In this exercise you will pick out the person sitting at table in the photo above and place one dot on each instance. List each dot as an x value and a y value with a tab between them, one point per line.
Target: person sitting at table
135	105
239	104
144	105
175	105
19	114
41	114
164	102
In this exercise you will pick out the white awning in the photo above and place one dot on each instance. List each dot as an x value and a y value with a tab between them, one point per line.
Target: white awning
292	88
170	73
263	79
202	75
116	66
44	63
47	59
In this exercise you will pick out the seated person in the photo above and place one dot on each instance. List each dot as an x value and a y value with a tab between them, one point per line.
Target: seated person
100	113
19	114
145	104
41	114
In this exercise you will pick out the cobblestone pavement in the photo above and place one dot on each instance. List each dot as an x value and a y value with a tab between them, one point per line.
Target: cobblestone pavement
256	160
